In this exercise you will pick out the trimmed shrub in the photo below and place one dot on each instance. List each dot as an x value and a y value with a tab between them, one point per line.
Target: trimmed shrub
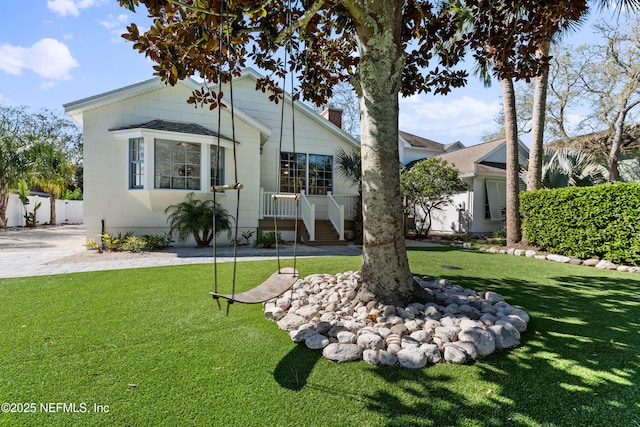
586	222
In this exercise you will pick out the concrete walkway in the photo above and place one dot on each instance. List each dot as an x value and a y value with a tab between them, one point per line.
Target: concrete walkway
44	251
59	250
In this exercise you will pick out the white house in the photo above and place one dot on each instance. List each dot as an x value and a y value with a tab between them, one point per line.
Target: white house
145	148
480	209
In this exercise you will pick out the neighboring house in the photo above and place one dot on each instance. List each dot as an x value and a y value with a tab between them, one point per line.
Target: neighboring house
145	148
412	147
480	209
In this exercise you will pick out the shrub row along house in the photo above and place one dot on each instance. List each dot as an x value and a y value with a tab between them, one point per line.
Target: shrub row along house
145	148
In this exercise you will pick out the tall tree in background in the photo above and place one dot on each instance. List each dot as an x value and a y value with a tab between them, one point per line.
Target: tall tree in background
382	47
611	80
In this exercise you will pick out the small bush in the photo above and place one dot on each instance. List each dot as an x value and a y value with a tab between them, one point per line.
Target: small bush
154	242
268	240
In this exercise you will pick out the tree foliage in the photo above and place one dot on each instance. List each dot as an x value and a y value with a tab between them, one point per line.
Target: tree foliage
429	186
39	147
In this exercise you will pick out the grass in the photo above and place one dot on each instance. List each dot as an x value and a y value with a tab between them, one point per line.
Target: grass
152	346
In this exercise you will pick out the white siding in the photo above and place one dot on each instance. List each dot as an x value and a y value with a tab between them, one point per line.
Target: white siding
107	194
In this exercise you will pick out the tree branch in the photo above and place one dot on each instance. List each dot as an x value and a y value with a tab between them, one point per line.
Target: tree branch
300	22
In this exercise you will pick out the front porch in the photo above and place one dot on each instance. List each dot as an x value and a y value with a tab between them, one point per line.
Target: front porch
322	219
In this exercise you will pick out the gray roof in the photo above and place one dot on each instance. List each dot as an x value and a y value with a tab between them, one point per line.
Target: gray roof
469	159
418	141
191	128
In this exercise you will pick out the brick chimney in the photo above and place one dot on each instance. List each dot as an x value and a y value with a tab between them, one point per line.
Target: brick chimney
334	115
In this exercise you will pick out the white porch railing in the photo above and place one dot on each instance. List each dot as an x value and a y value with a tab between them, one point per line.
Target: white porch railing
308	214
349	202
336	215
286	208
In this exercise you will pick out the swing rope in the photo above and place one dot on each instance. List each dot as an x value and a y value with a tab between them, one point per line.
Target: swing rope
283	278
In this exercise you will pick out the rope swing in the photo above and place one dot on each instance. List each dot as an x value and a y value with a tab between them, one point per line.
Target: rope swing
284	278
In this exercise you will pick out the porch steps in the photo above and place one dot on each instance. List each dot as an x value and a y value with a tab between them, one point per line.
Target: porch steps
326	235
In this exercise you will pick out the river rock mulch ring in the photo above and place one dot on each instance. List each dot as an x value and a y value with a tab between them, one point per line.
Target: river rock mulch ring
462	325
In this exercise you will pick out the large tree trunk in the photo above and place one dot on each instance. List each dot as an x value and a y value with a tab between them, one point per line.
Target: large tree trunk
385	266
614	150
514	234
534	175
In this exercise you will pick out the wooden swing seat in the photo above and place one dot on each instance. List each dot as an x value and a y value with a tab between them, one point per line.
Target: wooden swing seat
277	284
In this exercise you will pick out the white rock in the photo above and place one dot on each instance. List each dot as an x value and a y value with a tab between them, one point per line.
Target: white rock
558	258
505	336
447	333
291	321
274	313
301	335
316	341
454	354
606	265
493	297
346	337
516	321
412	358
432	351
483	340
530	253
408	341
469	348
370	341
421	336
342	352
307	311
591	262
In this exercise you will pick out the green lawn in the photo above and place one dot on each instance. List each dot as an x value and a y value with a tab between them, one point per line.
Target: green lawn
152	346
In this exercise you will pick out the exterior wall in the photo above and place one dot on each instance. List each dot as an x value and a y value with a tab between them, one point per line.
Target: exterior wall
409	153
106	162
465	215
311	137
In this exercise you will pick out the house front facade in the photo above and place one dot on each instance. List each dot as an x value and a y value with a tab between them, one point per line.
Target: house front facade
145	149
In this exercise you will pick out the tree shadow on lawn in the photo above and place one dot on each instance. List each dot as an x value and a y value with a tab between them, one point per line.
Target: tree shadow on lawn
579	363
293	371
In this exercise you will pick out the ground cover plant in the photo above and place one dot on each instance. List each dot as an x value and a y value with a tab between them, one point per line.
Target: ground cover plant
151	345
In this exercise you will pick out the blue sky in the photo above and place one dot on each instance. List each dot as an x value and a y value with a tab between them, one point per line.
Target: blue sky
57	51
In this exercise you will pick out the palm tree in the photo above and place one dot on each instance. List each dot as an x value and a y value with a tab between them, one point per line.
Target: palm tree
195	217
567	167
349	165
53	172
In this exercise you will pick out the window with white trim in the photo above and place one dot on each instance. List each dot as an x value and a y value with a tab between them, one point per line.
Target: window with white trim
177	165
312	173
136	163
217	166
495	199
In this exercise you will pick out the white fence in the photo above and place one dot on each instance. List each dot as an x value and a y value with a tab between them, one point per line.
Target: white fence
67	211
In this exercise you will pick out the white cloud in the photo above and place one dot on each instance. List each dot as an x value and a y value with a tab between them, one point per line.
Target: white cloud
47	58
114	22
451	118
71	7
47	85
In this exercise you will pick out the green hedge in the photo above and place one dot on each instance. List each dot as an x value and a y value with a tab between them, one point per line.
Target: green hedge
586	222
